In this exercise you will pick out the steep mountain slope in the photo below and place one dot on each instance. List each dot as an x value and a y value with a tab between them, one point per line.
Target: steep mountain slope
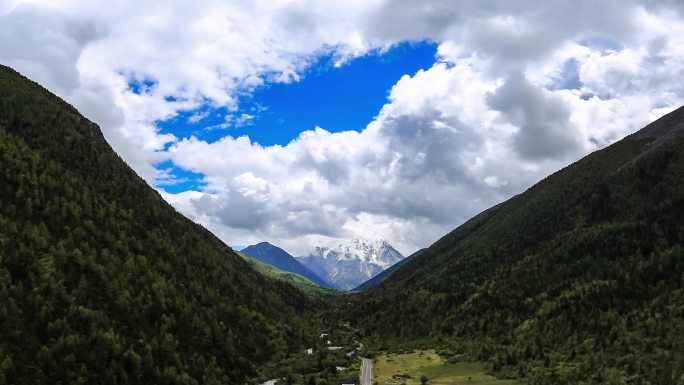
102	282
279	258
348	264
383	276
296	280
580	279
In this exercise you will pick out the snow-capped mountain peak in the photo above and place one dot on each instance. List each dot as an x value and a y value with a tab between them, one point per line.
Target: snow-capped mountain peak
352	262
380	251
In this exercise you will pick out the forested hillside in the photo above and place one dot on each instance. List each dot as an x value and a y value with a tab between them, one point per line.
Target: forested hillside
102	282
578	280
383	276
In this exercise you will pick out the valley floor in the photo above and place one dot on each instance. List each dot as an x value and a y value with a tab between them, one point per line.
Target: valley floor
332	359
407	368
337	356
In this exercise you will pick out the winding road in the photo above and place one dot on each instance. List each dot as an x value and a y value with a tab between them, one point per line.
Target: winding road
366	377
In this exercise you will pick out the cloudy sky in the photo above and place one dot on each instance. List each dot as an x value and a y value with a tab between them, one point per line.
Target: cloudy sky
301	122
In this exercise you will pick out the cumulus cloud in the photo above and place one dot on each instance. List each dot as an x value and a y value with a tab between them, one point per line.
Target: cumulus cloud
518	90
432	158
48	55
544	128
194	54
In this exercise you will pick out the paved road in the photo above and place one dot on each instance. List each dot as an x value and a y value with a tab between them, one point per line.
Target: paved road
366	377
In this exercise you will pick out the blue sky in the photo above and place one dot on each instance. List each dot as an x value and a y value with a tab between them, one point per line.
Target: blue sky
335	98
518	91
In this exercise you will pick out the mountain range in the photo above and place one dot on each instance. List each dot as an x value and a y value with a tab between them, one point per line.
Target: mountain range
279	258
348	264
578	280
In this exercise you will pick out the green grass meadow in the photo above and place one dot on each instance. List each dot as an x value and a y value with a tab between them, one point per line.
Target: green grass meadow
407	368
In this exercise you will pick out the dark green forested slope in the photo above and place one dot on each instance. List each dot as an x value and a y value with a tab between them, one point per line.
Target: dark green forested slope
102	282
383	275
578	280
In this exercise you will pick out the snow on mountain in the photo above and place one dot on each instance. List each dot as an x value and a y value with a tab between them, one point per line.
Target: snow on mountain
349	264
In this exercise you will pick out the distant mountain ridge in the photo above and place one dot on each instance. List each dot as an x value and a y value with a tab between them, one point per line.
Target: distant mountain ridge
281	259
349	264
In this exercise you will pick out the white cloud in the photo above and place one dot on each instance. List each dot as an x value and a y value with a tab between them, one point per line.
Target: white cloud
520	89
542	119
204	52
429	161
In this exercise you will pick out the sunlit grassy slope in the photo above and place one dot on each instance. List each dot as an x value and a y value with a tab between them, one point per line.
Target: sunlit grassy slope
408	368
291	278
